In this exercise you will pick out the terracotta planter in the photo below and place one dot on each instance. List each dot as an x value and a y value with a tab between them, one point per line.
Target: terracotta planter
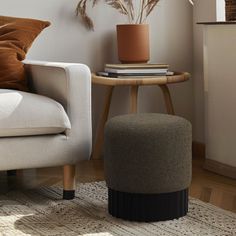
133	43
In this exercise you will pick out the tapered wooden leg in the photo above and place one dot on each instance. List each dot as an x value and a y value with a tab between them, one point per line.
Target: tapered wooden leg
68	182
97	150
134	99
11	173
167	98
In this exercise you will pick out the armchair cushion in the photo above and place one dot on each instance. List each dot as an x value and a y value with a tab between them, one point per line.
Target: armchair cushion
26	114
16	37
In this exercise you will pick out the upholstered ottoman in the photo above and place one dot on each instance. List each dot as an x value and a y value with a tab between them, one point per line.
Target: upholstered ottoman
148	166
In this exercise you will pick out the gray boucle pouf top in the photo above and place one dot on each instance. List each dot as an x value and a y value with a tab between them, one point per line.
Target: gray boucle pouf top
148	153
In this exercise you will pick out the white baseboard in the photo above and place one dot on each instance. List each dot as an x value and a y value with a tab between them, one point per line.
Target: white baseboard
219	168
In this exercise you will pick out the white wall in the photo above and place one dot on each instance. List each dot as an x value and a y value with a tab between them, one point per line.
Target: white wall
204	10
67	40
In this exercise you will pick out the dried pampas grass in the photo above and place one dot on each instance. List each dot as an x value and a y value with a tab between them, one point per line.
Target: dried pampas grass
81	10
125	7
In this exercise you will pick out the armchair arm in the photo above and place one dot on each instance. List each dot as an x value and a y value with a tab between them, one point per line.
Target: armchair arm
70	85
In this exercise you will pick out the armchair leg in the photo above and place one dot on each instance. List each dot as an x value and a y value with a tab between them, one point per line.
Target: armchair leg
68	182
11	173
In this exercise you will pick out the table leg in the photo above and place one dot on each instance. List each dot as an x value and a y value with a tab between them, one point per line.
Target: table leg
97	150
134	99
167	98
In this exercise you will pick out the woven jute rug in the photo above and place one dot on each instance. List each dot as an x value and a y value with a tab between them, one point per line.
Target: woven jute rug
42	212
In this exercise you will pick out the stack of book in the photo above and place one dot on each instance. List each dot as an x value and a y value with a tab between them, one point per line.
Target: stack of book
134	70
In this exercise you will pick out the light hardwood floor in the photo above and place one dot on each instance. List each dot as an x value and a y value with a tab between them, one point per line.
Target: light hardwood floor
206	186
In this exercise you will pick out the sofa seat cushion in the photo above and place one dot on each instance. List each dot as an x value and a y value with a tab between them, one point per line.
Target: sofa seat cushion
26	114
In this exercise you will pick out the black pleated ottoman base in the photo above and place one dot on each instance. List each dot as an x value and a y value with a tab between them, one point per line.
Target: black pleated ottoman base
147	207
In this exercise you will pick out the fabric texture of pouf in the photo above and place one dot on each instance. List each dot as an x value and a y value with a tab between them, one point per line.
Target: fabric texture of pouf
147	163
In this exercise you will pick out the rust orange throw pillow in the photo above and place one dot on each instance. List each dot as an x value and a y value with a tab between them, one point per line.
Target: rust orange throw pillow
16	37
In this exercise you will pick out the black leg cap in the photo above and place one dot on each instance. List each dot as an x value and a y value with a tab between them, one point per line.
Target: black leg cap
68	194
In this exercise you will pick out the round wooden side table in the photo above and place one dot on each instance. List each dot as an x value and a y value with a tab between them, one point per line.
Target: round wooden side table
134	83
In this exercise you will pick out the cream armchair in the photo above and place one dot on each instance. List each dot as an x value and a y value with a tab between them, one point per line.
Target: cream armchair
52	125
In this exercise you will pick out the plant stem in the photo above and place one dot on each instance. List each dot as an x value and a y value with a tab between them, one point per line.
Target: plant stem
131	13
141	13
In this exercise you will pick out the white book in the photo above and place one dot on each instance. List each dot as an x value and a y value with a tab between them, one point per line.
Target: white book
136	71
137	66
